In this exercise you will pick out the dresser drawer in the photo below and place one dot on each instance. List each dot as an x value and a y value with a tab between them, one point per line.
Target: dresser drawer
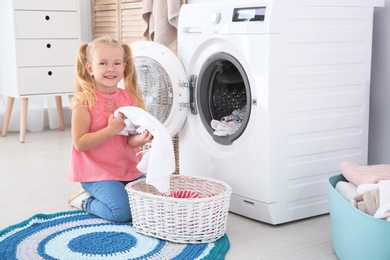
50	52
46	80
60	5
46	24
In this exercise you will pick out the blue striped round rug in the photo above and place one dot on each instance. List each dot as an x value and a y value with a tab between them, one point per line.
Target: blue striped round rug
78	235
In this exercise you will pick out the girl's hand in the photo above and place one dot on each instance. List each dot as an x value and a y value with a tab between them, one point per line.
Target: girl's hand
138	140
84	140
116	124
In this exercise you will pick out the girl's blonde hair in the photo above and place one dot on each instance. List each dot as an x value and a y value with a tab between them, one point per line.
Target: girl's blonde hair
85	89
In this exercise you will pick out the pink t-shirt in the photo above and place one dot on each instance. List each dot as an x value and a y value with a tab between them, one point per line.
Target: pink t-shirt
114	159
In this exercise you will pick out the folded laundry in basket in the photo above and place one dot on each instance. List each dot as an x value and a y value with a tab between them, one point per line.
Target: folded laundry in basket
360	174
367	202
366	187
384	200
347	190
158	162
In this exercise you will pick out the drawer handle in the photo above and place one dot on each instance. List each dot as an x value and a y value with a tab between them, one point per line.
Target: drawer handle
47	18
48	45
50	73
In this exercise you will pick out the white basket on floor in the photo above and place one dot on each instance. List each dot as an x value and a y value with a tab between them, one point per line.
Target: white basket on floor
181	220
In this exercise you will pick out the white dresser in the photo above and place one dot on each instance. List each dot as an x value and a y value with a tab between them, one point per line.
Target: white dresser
39	44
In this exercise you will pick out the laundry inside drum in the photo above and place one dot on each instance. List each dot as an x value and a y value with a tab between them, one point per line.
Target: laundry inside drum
228	99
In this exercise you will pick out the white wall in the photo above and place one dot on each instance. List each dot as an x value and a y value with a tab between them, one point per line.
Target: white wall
379	135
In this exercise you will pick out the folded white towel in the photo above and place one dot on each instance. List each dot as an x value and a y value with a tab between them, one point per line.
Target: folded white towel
383	212
159	161
362	188
347	190
384	200
384	188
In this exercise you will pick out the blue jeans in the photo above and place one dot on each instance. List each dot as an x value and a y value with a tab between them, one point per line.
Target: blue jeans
109	200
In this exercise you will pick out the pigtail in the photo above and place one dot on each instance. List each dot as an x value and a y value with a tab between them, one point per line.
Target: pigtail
84	93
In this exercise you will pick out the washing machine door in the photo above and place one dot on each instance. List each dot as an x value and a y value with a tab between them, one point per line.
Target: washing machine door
164	83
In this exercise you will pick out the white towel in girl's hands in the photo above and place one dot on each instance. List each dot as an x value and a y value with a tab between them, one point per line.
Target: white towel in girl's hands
158	163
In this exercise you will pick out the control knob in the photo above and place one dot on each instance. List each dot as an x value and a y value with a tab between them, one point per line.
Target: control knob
215	17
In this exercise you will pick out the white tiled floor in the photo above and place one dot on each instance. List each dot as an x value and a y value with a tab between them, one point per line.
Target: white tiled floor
32	180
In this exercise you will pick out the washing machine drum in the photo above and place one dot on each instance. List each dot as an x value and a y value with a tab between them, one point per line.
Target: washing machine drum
157	89
163	82
222	103
224	100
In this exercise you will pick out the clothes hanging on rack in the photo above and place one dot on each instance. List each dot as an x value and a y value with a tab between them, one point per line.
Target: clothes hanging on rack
161	17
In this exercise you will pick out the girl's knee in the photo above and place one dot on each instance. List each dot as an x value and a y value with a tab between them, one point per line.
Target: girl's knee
122	212
122	216
123	219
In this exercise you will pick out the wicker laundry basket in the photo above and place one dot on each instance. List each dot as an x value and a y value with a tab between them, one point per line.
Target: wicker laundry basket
181	220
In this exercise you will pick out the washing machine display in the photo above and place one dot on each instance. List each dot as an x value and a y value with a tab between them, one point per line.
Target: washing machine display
293	78
251	14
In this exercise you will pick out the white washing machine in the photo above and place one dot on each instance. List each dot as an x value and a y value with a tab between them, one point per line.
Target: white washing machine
298	71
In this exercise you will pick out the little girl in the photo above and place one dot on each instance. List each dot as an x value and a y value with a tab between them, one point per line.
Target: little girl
103	161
